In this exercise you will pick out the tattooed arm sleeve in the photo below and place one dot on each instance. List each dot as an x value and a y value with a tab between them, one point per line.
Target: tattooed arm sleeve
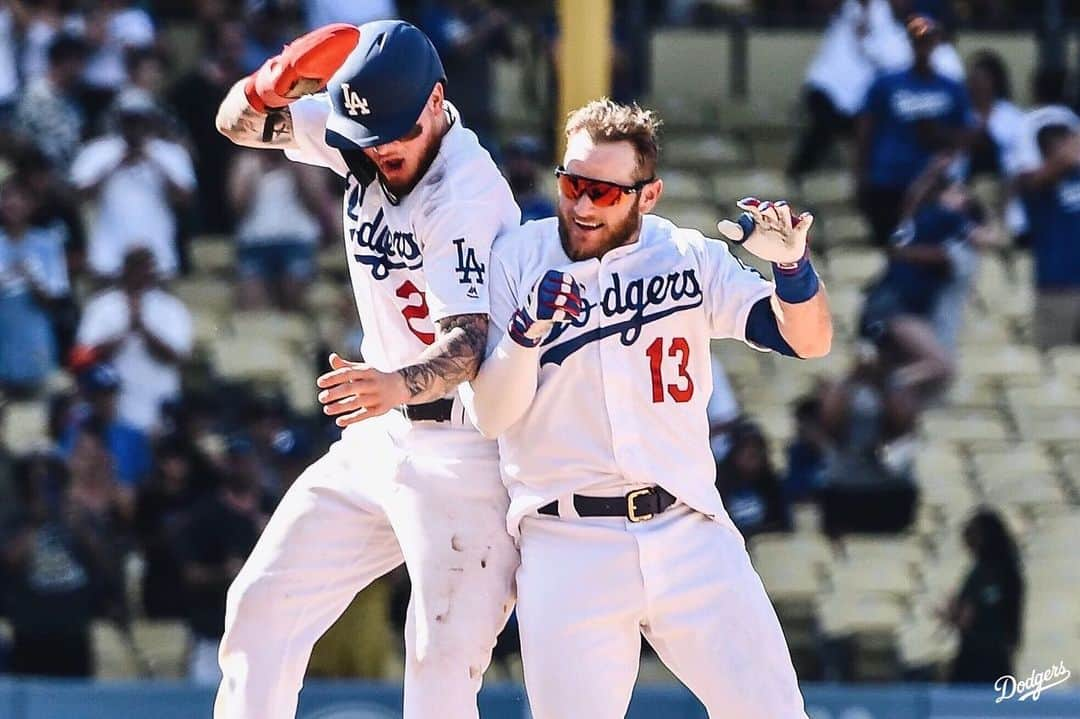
244	125
454	358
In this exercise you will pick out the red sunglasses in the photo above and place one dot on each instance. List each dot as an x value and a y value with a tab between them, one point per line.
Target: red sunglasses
601	192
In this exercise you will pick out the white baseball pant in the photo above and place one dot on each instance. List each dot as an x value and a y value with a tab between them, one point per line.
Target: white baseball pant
588	588
389	491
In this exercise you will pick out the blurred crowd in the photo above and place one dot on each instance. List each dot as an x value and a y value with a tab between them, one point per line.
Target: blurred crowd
112	165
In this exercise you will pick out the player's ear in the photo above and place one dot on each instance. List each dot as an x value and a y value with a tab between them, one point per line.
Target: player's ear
437	97
650	195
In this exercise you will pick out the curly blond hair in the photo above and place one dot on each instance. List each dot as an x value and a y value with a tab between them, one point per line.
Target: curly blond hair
608	121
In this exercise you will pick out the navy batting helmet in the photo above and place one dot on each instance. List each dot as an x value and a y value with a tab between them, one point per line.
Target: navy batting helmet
380	90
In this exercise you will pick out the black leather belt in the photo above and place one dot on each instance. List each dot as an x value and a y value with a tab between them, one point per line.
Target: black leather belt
438	411
637	506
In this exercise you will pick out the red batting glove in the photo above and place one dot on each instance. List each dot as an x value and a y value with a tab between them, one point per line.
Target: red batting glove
303	67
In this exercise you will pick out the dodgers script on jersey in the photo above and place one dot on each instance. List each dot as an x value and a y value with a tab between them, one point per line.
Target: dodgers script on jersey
643	339
415	261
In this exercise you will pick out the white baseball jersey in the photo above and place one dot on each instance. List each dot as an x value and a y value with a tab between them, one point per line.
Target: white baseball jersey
421	259
622	392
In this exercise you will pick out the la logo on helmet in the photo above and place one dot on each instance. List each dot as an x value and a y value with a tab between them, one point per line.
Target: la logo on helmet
353	102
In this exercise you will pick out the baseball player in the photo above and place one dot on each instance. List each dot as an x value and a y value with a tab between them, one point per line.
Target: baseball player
598	391
411	479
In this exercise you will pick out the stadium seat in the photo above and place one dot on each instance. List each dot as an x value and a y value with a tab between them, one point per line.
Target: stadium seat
238	358
1049	424
1066	363
810	549
855	267
25	426
884	575
326	296
695	216
212	254
969	426
1017	461
844	613
925	641
973	393
272	326
827	189
866	550
113	656
1053	394
207	326
842	229
983	330
705	152
1008	362
163	646
204	294
730	187
685	187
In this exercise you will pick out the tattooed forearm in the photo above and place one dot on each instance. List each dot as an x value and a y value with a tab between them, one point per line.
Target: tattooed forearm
244	125
454	358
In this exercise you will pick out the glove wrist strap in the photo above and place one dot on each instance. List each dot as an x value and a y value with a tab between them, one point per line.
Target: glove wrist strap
796	282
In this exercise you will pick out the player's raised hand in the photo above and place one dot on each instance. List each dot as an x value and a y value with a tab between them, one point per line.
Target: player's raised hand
553	300
354	391
768	230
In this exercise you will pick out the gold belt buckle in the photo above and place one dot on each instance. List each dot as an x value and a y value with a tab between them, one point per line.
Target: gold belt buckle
631	513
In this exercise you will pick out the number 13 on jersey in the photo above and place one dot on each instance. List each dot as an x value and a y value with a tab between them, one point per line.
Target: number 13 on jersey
678	349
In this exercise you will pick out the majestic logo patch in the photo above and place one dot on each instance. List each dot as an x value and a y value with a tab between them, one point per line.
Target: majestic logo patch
468	266
632	300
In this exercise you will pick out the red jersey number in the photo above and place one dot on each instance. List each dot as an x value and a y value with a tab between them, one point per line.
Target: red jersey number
415	311
679	348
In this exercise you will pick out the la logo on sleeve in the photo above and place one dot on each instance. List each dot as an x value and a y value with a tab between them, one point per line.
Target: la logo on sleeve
467	264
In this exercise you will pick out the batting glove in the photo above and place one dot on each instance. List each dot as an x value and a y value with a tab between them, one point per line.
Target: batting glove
554	300
768	230
303	67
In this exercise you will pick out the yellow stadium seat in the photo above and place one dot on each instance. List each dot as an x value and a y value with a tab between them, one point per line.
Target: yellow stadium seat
843	229
684	186
212	254
204	294
827	188
700	151
162	646
1050	424
971	426
238	358
1006	362
790	581
208	326
925	642
729	187
855	267
1053	394
1066	363
866	550
975	393
694	216
881	576
811	549
271	326
842	614
113	657
983	330
25	425
1016	461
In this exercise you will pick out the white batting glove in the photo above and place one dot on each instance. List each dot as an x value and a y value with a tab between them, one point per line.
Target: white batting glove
768	230
554	300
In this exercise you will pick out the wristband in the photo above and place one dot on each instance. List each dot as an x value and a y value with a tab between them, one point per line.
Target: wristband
796	283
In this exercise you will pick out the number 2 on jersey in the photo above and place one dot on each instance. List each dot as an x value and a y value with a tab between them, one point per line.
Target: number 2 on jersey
680	349
411	312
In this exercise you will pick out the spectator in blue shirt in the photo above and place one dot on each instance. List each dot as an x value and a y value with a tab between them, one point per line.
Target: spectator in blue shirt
33	272
933	249
1052	199
908	117
129	447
